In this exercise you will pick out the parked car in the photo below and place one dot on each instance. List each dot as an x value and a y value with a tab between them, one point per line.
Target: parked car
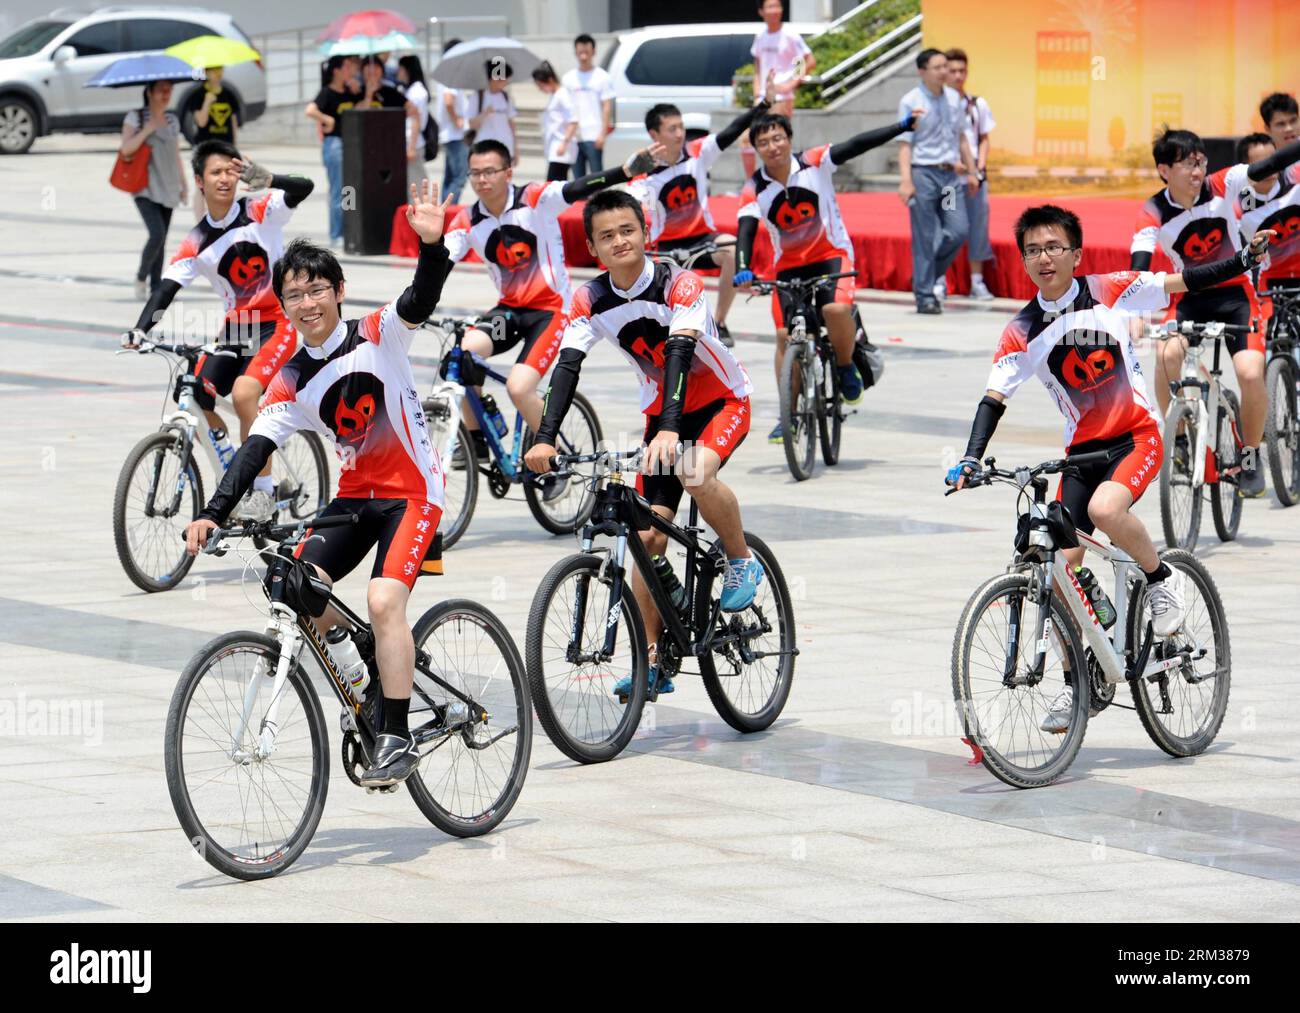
690	66
45	64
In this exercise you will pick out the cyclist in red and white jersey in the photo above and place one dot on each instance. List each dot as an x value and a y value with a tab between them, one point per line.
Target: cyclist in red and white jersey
1272	203
693	391
351	382
793	194
1074	336
235	247
1194	221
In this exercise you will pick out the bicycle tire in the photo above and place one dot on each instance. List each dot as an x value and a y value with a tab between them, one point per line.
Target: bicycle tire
541	510
476	824
200	838
154	442
581	749
1179	535
771	707
799	458
830	417
320	494
998	765
453	528
1282	431
1225	504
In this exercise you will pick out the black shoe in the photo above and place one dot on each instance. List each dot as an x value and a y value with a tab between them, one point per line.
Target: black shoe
396	757
724	335
1250	483
550	486
931	308
1182	454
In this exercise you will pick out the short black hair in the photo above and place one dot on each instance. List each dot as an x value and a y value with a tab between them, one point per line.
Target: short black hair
302	256
611	200
1248	142
658	113
1278	102
544	73
769	121
763	3
489	146
584	38
450	44
1048	215
373	61
1174	145
924	57
206	149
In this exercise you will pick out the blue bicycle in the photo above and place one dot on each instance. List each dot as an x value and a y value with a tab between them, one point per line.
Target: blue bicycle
562	503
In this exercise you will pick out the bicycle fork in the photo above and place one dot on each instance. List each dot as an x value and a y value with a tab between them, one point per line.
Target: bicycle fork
283	628
1037	594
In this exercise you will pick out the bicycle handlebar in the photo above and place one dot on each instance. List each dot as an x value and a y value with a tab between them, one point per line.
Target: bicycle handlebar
991	473
1191	328
767	284
271	531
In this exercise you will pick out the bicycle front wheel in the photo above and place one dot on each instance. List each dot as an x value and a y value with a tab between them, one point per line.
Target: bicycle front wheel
1180	499
473	762
1007	712
1225	504
159	492
571	507
1282	432
248	790
798	412
830	417
571	684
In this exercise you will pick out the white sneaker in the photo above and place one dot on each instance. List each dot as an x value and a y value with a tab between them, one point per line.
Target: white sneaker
141	289
980	291
1060	712
941	289
1168	605
256	505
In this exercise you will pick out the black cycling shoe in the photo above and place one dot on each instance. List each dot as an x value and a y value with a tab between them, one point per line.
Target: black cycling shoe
724	335
550	486
931	308
396	757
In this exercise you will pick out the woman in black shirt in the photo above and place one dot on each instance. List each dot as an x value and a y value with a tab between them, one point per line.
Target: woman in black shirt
334	99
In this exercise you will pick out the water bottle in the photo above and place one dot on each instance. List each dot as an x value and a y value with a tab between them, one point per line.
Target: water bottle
221	444
494	415
668	580
1100	603
347	659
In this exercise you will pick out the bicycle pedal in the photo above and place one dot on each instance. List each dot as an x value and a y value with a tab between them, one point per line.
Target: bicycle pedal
386	789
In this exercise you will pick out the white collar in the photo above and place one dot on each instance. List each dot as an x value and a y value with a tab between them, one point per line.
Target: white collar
229	217
794	167
640	285
330	345
1062	304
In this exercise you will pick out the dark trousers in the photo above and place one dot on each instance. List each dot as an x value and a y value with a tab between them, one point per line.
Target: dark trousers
156	219
939	227
590	159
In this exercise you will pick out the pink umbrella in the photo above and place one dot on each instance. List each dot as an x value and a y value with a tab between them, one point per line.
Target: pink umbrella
368	23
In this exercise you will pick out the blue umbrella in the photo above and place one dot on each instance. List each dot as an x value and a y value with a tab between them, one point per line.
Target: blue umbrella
143	69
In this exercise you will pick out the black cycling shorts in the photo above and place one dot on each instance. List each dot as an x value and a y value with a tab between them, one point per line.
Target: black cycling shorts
402	529
539	329
840	291
1227	303
720	425
261	349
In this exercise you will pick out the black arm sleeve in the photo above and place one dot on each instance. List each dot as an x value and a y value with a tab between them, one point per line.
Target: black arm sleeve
1199	277
1275	162
296	188
159	300
564	381
729	134
584	186
1139	260
746	230
422	295
678	353
252	458
860	143
987	416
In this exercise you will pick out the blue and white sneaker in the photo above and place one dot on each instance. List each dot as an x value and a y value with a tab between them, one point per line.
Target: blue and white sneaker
777	435
850	383
740	583
655	686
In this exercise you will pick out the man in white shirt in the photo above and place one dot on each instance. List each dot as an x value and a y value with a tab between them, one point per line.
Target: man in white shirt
491	112
780	51
559	123
977	122
593	94
449	105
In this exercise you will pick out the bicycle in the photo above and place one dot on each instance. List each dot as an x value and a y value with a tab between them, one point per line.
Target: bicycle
687	257
160	487
573	652
1281	429
246	750
1194	458
1002	698
812	405
460	374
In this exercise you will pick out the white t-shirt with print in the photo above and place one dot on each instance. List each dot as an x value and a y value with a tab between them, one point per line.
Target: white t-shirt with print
589	88
778	51
496	127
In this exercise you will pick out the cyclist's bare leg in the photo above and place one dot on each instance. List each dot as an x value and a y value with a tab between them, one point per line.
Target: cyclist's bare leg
782	339
839	325
718	504
1169	366
245	395
331	616
480	343
656	543
1249	365
1109	510
726	261
521	385
386	598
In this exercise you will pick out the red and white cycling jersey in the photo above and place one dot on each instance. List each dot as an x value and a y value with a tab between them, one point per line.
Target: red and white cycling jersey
802	217
523	249
1279	210
237	254
665	300
357	390
1081	349
1205	233
676	197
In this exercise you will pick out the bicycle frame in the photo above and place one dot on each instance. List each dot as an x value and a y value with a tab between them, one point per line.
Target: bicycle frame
1201	387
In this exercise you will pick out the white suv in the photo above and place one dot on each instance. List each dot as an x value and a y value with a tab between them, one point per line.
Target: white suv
690	66
45	64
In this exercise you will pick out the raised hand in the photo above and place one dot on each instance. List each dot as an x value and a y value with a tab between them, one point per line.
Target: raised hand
645	160
424	213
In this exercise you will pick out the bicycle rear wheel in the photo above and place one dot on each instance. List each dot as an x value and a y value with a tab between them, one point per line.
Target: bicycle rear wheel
1180	500
575	698
830	414
460	495
249	816
570	509
1183	709
472	767
1005	722
1282	432
798	412
750	695
1225	504
148	530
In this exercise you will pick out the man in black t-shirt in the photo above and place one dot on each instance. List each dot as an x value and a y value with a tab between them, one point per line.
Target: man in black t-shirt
215	110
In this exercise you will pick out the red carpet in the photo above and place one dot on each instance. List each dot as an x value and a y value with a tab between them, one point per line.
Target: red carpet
878	225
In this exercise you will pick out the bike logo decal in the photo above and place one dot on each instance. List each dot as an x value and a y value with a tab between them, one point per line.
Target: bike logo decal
1200	240
613	616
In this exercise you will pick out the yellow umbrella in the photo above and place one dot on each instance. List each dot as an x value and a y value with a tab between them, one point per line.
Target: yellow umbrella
213	51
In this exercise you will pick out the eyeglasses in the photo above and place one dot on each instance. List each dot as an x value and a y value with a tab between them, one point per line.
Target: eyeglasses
314	294
483	173
1193	162
1053	250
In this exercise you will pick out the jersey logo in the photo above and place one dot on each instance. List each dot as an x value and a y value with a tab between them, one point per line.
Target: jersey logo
245	266
1286	223
794	209
352	406
219	114
511	248
679	193
1200	240
1085	360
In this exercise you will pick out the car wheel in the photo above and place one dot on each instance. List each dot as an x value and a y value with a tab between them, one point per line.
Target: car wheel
17	126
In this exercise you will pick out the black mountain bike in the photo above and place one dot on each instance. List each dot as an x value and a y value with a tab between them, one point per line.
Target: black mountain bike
246	750
574	652
1281	430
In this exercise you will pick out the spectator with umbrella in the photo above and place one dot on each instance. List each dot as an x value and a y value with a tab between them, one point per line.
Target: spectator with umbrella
486	66
410	76
334	99
449	112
